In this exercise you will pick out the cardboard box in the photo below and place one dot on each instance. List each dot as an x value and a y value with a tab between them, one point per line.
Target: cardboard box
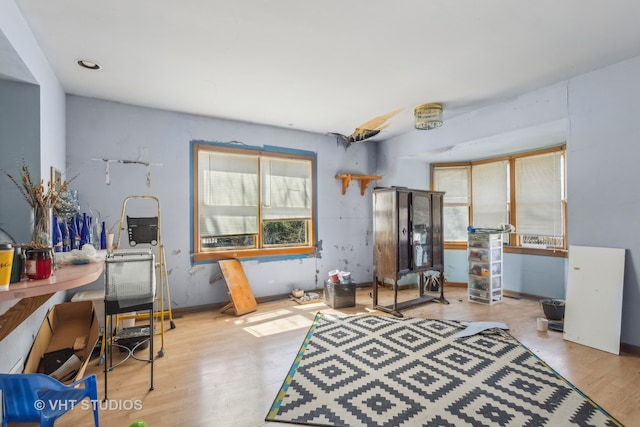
97	298
67	325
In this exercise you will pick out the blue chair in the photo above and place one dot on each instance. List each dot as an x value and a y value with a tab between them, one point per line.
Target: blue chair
32	398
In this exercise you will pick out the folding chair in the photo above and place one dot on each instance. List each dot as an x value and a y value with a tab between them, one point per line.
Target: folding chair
38	398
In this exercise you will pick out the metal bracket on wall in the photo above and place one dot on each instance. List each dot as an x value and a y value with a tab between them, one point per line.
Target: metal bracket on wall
128	162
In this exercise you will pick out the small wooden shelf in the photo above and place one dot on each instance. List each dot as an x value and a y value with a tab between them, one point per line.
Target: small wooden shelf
364	181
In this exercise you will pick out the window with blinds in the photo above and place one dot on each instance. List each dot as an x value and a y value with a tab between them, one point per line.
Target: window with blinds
540	200
526	190
228	194
251	200
454	181
490	193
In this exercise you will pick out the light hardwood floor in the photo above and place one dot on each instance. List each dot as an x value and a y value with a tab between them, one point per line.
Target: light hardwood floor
223	370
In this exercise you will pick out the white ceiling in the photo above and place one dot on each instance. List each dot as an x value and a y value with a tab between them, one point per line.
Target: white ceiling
327	66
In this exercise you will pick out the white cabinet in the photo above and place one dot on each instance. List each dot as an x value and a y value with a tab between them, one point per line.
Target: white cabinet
485	268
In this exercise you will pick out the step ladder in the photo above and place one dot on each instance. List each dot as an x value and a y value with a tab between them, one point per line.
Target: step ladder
146	230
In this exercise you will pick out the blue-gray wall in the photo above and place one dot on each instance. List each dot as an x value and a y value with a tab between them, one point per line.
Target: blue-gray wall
98	129
603	151
20	141
39	135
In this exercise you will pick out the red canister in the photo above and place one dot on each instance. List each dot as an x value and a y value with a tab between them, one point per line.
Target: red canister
39	264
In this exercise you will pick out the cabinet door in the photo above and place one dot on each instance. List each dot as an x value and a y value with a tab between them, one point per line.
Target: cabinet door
385	232
421	230
404	242
436	221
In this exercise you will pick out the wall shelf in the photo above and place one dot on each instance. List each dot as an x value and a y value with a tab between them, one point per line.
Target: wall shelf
364	181
66	276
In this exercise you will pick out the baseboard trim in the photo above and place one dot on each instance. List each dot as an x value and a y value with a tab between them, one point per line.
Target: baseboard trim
219	305
630	349
455	285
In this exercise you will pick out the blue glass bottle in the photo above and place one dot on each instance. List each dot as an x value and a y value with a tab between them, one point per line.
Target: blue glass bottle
103	236
84	231
56	235
72	235
78	221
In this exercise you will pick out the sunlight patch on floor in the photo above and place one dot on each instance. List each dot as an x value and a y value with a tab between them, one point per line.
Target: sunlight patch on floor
318	305
279	325
260	317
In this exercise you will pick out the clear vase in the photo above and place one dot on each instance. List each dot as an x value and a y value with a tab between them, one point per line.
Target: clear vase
42	226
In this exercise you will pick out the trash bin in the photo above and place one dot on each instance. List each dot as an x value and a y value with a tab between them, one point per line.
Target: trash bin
553	308
339	295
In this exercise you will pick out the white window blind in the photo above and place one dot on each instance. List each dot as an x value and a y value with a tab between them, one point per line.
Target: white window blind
539	195
228	193
286	188
454	181
490	194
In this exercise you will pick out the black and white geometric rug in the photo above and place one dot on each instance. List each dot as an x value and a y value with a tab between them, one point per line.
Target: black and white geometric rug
381	371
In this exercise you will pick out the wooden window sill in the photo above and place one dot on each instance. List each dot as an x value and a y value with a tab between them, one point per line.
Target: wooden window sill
252	253
559	253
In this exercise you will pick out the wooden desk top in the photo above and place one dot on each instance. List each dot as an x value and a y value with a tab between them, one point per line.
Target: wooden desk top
66	276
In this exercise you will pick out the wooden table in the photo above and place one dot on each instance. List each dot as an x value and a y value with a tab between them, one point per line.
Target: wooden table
33	293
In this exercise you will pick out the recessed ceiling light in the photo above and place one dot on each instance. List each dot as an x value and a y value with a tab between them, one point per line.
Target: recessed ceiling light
89	65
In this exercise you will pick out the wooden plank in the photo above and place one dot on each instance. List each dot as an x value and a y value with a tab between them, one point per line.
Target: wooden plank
239	290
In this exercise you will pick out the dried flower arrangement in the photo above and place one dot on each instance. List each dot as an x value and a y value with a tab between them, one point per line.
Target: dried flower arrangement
42	198
41	195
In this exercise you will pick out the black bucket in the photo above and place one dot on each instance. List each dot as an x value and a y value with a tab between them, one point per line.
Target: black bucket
553	308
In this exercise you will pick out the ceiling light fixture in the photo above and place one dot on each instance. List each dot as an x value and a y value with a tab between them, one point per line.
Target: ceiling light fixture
428	116
89	65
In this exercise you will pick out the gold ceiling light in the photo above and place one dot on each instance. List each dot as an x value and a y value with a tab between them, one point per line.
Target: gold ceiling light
428	116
